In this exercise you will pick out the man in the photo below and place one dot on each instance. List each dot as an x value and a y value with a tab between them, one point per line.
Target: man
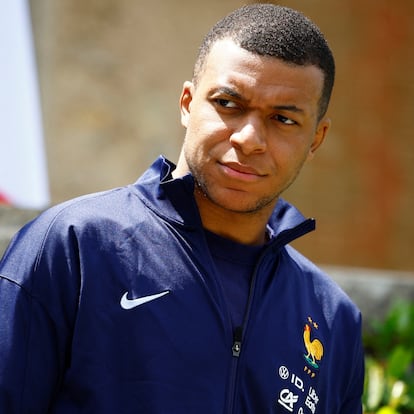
179	294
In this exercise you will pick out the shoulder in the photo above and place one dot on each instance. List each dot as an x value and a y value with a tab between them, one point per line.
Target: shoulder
91	210
317	284
58	231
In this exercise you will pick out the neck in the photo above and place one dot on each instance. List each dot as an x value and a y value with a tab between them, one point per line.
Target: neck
244	228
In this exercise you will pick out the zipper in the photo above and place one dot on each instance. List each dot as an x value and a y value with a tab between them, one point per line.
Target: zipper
236	348
237	340
283	239
238	336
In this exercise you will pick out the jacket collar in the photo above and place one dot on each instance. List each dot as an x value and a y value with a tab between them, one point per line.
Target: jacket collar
173	200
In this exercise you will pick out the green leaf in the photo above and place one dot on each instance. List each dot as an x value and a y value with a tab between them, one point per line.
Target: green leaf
397	394
374	385
399	361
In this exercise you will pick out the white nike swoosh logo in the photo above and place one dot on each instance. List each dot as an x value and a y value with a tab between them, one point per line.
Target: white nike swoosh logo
133	303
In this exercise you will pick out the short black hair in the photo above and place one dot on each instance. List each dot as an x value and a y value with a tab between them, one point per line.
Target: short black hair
277	31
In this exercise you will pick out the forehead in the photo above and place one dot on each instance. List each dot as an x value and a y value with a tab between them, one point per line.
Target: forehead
230	65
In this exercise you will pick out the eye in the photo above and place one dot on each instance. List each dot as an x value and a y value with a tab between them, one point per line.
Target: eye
226	103
285	120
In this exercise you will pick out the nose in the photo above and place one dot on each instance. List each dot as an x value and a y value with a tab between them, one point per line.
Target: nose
250	137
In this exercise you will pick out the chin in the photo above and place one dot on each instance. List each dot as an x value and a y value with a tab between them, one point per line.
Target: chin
244	205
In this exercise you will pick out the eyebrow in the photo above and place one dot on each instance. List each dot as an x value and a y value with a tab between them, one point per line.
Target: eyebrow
228	91
291	108
231	92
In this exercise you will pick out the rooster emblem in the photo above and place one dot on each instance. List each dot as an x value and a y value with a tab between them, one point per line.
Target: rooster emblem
314	348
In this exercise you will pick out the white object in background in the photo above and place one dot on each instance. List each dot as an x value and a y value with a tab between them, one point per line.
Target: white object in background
23	171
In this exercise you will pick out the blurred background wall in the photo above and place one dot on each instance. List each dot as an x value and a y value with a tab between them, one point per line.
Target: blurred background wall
111	72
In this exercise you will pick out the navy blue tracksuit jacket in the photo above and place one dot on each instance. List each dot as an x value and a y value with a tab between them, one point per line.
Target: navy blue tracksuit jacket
111	304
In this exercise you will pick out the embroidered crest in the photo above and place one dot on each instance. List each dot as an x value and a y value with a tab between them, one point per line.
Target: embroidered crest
313	346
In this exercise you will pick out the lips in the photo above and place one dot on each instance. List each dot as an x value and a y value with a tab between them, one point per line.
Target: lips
240	171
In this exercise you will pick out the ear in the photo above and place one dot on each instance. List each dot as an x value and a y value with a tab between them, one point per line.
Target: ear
320	134
185	102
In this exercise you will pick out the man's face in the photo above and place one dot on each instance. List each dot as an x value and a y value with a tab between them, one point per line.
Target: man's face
252	122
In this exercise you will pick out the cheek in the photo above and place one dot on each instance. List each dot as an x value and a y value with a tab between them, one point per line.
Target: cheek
289	154
206	131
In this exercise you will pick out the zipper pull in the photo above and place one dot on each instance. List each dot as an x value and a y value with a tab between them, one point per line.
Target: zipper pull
237	340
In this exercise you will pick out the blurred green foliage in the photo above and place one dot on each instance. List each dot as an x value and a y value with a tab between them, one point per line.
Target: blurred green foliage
389	374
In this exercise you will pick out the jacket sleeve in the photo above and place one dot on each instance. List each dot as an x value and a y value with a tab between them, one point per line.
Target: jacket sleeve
37	296
353	399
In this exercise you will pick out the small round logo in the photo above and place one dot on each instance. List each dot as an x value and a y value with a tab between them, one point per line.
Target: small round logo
283	372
